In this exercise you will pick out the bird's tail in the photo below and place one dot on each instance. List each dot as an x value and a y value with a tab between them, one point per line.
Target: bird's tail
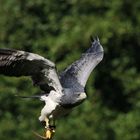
33	96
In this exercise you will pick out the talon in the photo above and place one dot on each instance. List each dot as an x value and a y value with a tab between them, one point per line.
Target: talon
50	132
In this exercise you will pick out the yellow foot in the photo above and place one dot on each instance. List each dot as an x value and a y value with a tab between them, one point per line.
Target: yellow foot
49	133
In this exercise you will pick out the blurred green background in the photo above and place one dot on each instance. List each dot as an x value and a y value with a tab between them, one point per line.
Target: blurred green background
60	31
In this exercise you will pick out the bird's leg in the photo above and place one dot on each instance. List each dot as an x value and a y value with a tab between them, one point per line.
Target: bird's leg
49	129
48	132
47	122
52	125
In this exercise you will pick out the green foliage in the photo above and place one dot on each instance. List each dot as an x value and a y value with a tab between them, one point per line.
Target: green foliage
60	31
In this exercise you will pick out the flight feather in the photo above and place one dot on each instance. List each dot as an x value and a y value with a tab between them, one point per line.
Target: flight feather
21	63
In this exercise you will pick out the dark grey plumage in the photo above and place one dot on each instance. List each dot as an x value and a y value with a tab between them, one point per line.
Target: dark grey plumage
20	63
61	92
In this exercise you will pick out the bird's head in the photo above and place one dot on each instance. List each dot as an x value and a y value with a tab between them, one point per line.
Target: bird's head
73	98
81	96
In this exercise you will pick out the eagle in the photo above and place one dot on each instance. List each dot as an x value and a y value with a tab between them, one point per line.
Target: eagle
61	92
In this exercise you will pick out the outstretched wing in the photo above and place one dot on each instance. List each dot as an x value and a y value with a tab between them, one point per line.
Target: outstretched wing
20	63
76	75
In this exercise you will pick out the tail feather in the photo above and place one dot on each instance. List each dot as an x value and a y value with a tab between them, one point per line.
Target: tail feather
33	96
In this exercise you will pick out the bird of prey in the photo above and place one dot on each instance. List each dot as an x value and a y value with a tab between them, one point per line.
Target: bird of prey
60	92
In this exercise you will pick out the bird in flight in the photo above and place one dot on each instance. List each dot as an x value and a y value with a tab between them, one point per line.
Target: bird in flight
61	92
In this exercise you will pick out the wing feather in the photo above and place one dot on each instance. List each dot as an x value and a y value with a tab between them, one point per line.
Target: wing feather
20	63
76	75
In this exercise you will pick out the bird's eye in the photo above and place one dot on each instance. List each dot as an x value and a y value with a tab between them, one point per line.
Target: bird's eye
78	94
